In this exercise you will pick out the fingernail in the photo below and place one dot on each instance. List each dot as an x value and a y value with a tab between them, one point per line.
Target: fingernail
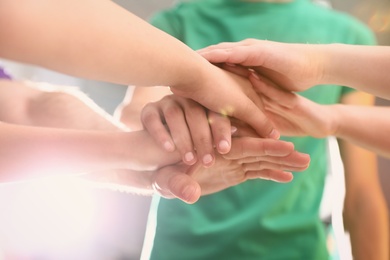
189	156
233	129
188	192
169	146
224	146
254	74
207	159
274	134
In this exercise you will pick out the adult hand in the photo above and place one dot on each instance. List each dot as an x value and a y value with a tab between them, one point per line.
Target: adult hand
249	158
194	130
169	182
293	114
228	94
239	165
295	67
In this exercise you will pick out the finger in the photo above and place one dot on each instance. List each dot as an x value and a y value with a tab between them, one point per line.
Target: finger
233	55
177	124
264	165
248	146
273	175
222	45
274	107
235	103
246	53
246	106
242	129
250	113
251	93
200	131
282	112
272	91
294	159
236	69
174	182
152	122
221	130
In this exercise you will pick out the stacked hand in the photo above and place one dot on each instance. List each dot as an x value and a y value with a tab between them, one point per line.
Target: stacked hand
296	67
245	156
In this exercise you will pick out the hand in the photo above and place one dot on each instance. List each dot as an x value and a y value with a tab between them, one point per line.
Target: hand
250	158
169	182
230	95
293	114
294	67
180	122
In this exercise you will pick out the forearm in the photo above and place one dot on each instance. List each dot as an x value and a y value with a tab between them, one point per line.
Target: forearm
361	67
29	151
46	105
368	227
95	39
129	181
129	111
365	126
68	109
365	210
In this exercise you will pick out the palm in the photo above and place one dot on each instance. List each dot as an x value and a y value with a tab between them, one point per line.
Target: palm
222	175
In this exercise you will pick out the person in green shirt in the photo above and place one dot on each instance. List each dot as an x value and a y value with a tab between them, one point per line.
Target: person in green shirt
259	219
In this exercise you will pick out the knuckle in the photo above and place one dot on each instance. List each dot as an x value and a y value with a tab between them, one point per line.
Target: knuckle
148	116
172	112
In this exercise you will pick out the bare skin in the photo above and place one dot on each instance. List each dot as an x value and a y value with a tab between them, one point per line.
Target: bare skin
297	67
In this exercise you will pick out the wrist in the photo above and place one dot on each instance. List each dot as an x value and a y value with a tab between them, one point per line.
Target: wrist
140	152
331	63
336	122
194	79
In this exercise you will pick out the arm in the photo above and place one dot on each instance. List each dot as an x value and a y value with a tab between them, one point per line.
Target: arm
247	147
196	137
34	141
122	48
295	115
129	111
40	104
365	211
29	151
300	66
188	183
46	105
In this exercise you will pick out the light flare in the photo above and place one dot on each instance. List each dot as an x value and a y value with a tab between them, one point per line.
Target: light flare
380	21
48	215
227	111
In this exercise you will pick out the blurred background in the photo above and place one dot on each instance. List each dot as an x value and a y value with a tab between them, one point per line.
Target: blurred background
78	222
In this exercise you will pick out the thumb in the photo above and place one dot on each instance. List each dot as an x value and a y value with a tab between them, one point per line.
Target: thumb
174	182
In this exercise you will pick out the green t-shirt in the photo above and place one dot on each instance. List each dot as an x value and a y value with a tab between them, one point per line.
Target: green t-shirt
257	219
